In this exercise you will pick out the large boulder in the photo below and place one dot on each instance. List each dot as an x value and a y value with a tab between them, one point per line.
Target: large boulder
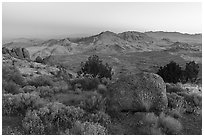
20	53
26	53
139	92
13	53
39	59
5	50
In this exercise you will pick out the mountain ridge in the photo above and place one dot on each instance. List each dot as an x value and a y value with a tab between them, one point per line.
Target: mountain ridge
106	42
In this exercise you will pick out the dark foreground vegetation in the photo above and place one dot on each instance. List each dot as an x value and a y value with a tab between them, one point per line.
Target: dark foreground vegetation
81	105
172	72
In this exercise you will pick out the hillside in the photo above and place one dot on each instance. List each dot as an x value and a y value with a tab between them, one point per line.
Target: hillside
22	42
109	43
176	36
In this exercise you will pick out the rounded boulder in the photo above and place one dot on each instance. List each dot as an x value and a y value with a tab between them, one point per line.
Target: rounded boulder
142	92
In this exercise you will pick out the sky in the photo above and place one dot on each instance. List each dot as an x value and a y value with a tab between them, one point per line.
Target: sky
53	20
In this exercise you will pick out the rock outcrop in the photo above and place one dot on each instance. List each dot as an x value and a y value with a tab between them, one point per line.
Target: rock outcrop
20	53
139	92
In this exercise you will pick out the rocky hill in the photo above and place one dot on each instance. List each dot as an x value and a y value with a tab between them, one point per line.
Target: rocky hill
20	53
108	42
30	68
176	36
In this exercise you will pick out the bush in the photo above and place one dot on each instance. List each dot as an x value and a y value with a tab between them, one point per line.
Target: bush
175	113
10	73
174	88
102	90
174	100
87	128
8	106
60	89
96	68
158	125
193	102
86	83
43	80
151	125
45	91
191	71
32	124
151	119
29	89
11	87
51	119
195	98
100	117
11	131
171	72
169	125
19	104
93	103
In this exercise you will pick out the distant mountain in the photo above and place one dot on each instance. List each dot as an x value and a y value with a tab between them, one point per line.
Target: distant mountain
54	47
133	36
110	42
107	42
176	36
181	46
22	42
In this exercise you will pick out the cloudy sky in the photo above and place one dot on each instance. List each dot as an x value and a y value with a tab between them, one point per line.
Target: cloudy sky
51	20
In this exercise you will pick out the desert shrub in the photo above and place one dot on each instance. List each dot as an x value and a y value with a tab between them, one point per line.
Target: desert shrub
32	124
151	119
11	87
158	125
39	59
11	131
87	128
86	83
195	98
174	88
105	81
151	126
171	72
175	113
176	105
45	91
29	89
43	80
60	89
8	106
60	86
10	73
96	68
18	104
93	103
191	71
169	125
155	131
52	118
100	117
192	102
102	90
174	100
